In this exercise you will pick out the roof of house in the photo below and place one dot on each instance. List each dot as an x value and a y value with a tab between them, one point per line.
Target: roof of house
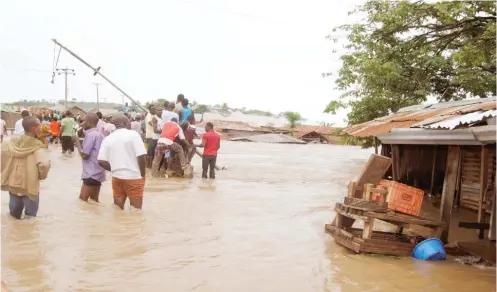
231	125
305	129
446	115
418	136
5	109
270	138
299	135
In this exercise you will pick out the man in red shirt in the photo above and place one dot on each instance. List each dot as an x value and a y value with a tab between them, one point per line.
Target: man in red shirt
211	142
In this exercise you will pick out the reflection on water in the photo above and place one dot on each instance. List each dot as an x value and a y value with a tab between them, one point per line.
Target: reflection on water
258	227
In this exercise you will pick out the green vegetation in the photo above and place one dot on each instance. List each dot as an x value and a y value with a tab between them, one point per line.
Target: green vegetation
404	51
293	119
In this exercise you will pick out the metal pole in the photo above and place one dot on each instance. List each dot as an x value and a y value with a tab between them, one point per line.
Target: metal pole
97	71
65	89
66	72
98	100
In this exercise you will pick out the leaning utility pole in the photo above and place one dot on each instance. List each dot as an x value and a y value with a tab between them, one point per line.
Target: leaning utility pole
97	71
65	72
98	100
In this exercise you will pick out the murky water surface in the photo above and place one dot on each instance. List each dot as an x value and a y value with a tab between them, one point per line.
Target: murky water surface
258	227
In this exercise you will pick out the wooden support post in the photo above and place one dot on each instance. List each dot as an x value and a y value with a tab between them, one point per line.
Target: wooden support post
352	188
383	197
367	192
367	232
491	231
449	186
376	142
395	162
483	187
433	167
338	220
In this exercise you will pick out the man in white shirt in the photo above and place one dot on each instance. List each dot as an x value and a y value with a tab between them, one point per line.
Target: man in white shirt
124	155
18	129
136	125
168	113
109	127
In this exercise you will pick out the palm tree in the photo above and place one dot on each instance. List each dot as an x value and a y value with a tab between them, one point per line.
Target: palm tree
201	109
293	118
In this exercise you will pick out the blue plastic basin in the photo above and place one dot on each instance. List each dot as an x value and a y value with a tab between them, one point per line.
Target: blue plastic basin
429	250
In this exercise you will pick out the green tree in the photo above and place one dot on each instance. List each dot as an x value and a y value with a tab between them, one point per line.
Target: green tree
224	108
293	118
201	109
404	51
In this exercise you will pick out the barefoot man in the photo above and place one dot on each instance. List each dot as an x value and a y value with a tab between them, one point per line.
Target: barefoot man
124	155
24	163
93	173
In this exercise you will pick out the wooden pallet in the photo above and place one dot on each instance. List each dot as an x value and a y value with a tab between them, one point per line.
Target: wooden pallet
361	204
380	242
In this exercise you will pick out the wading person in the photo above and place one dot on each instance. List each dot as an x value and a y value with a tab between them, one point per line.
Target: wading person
168	113
211	142
185	112
66	133
171	132
55	129
124	155
101	125
179	103
190	133
149	135
18	129
93	174
24	164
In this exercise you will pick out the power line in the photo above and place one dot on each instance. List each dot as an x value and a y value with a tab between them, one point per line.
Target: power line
66	72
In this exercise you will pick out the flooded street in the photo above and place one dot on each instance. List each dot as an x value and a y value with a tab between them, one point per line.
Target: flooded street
258	227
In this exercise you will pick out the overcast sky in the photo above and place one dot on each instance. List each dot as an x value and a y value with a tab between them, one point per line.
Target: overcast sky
263	54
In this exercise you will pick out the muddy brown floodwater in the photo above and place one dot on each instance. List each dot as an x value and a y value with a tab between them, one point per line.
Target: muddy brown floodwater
258	227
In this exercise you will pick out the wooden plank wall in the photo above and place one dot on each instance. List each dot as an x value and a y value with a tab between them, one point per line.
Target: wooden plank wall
470	177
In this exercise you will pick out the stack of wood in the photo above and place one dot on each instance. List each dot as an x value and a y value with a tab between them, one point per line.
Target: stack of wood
359	205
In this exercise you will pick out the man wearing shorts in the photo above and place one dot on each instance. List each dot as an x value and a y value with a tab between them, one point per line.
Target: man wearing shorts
149	135
124	155
93	174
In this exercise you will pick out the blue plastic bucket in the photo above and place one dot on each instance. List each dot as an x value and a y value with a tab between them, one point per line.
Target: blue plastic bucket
429	250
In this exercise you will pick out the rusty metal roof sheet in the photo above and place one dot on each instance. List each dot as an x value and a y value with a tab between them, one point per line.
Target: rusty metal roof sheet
421	116
467	119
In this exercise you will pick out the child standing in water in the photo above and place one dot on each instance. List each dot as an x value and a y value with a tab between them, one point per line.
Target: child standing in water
211	142
93	174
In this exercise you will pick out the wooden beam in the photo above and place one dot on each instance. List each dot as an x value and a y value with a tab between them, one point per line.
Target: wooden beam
376	142
449	187
483	187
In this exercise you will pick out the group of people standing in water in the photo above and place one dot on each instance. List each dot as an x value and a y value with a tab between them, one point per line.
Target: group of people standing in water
169	134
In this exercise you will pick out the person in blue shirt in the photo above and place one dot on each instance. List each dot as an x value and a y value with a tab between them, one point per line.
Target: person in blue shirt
185	112
126	108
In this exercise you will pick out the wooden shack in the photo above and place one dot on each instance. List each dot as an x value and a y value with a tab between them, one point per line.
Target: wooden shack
446	149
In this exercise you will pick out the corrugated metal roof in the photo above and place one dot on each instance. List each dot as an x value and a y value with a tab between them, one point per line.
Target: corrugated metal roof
456	121
421	116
